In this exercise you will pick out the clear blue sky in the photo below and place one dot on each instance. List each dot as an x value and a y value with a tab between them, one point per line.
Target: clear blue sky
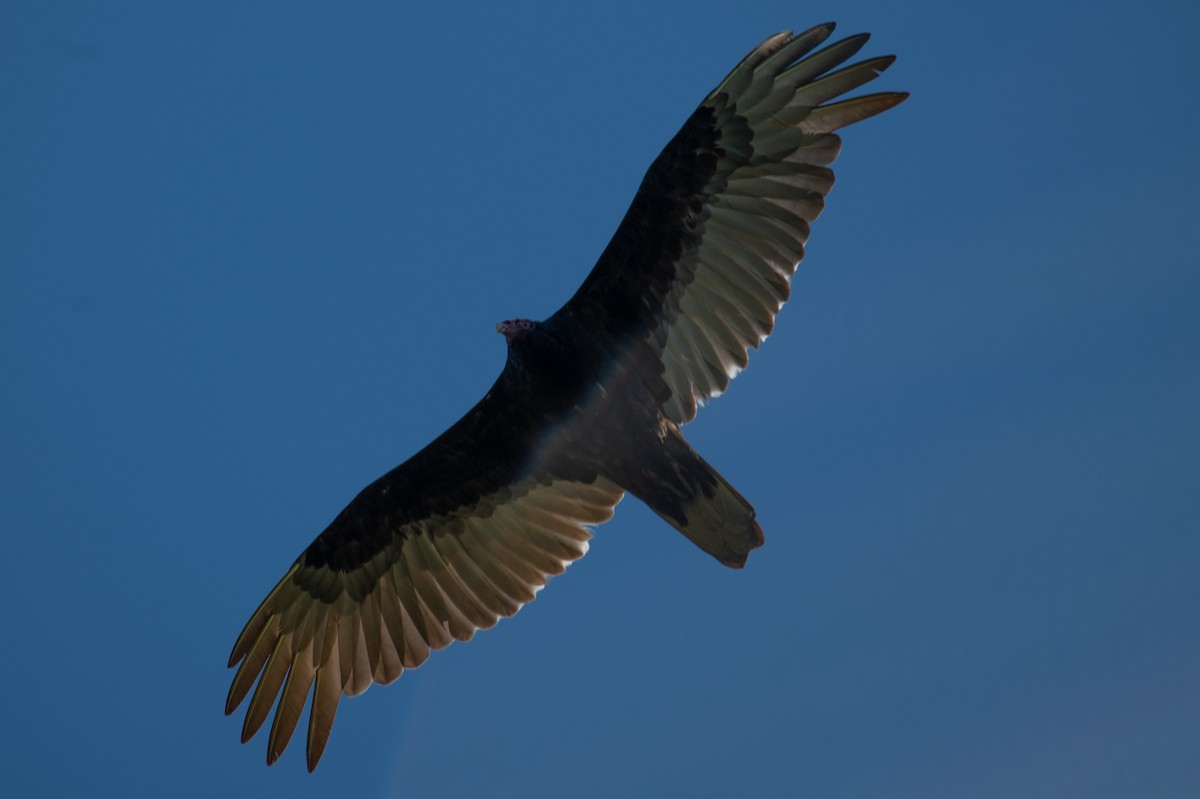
251	258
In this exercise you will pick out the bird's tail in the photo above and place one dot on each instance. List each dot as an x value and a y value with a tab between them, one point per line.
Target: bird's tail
693	498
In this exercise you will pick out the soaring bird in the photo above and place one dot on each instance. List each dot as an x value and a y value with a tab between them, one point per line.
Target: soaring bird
589	405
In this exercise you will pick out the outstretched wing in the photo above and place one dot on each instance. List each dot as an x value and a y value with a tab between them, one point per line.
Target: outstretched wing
701	263
460	535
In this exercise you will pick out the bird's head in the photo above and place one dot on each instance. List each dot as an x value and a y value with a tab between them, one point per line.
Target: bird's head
515	329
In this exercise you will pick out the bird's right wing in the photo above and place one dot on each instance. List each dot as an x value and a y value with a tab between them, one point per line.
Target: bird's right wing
462	534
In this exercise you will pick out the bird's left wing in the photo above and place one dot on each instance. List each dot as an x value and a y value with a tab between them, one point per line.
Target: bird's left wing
701	263
462	534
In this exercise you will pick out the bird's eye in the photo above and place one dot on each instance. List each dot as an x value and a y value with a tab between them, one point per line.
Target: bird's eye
525	324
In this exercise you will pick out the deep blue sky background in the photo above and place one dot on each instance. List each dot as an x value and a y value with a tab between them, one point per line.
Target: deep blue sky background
251	256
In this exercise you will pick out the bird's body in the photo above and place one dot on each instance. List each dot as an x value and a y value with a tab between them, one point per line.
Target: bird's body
589	405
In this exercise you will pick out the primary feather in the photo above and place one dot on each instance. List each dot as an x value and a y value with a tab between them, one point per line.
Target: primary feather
588	407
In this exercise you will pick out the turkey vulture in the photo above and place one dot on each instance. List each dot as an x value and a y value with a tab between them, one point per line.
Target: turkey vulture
589	405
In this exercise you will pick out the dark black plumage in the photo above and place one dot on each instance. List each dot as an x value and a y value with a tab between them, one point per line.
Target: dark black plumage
589	405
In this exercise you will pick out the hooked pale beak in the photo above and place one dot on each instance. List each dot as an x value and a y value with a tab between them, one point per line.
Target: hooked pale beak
513	329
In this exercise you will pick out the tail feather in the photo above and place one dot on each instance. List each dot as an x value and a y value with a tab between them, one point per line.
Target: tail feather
722	524
692	497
